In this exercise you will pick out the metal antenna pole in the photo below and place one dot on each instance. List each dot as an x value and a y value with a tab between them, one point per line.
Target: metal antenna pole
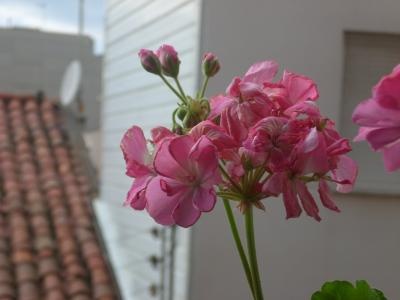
81	16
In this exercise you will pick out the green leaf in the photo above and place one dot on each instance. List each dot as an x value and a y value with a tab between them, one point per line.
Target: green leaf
344	290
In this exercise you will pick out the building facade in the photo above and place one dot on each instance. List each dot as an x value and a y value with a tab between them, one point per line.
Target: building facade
33	60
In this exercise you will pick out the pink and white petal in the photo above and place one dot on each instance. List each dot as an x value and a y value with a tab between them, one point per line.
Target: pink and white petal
186	214
180	149
214	133
370	114
307	108
293	209
307	200
362	133
387	91
204	199
381	137
324	194
232	124
133	145
218	104
165	164
261	72
311	141
172	187
233	89
346	172
135	169
300	88
274	185
339	147
136	194
160	206
391	157
206	158
161	133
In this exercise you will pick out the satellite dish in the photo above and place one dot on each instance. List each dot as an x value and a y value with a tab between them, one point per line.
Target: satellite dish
71	82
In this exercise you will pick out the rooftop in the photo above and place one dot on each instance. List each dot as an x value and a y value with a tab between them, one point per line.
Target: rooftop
49	247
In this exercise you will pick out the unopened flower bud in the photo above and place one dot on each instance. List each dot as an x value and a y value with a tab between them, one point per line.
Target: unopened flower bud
150	61
211	64
169	60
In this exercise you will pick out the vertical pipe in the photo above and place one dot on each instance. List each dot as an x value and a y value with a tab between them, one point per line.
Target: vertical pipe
81	14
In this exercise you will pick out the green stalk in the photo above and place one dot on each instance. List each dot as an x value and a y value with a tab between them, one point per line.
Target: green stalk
204	87
180	88
238	242
251	248
172	88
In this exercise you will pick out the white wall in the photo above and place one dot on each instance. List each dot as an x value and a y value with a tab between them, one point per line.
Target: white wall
33	60
134	97
298	255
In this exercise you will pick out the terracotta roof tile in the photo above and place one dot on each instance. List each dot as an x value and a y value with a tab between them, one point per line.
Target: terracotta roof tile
48	243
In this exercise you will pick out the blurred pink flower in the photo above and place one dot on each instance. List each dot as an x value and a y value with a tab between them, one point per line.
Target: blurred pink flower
379	118
184	188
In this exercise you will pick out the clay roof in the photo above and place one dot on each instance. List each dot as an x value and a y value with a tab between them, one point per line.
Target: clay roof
48	243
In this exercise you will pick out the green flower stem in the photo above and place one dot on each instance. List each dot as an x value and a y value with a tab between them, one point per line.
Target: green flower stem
172	88
251	248
238	242
204	87
180	89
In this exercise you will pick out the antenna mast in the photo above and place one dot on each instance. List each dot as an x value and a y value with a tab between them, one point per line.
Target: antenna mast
81	16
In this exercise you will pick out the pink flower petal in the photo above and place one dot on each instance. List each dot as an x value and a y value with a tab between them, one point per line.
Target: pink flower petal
293	209
134	148
233	89
214	133
186	214
204	199
136	194
165	164
325	196
345	172
232	125
218	104
381	137
160	206
370	114
261	72
362	133
274	185
391	157
205	156
387	91
307	200
300	88
180	148
160	133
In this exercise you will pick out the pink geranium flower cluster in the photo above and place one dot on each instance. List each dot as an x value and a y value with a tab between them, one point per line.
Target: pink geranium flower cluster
379	118
261	138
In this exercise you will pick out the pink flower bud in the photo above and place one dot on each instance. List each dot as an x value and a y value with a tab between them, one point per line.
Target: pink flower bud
150	61
211	64
169	60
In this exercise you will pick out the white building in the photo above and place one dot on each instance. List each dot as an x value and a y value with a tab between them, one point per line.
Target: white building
345	46
33	60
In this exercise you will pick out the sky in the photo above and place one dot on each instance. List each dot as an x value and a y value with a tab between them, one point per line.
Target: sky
55	15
